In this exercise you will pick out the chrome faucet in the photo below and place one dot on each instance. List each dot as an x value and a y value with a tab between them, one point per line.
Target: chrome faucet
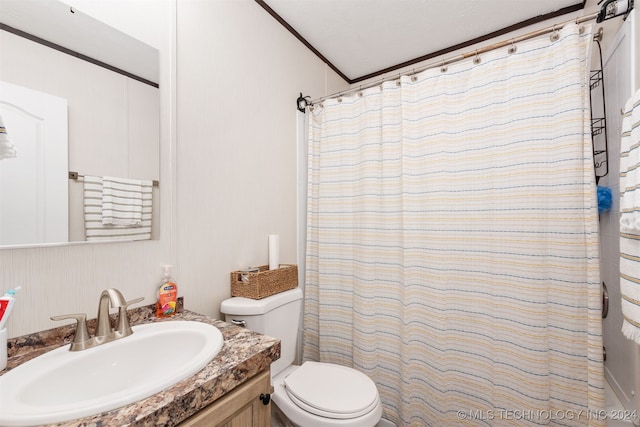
104	333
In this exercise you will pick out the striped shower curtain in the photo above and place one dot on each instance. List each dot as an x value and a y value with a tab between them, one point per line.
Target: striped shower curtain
452	247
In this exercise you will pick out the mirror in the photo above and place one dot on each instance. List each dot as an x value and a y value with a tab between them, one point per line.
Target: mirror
101	92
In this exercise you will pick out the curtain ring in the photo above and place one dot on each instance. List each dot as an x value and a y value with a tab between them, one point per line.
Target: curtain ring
512	48
554	35
581	29
443	68
477	59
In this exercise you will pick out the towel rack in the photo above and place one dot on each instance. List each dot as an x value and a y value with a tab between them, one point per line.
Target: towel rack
75	176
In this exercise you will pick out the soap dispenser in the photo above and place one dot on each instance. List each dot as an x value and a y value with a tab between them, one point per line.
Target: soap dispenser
167	294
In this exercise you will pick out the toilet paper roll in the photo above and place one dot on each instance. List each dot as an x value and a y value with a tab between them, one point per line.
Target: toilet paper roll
274	251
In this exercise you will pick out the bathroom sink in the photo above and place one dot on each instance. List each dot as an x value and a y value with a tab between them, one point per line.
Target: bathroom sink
63	385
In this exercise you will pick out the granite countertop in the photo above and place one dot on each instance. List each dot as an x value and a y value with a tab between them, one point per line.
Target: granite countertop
243	355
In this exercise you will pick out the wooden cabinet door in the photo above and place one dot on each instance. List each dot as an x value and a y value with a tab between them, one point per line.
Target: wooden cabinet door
240	408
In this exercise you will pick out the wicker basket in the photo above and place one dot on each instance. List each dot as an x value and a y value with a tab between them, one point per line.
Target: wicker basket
264	282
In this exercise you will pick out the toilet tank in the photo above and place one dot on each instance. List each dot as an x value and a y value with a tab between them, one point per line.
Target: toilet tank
277	316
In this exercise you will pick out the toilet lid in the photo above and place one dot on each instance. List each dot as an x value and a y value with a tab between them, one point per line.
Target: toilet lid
331	391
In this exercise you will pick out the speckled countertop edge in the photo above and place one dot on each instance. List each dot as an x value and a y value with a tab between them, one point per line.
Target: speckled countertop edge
243	355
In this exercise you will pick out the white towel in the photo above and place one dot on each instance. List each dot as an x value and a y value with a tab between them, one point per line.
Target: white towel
7	149
94	227
630	219
122	200
630	167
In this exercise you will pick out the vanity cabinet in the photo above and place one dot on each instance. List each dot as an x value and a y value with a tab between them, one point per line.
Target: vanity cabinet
241	407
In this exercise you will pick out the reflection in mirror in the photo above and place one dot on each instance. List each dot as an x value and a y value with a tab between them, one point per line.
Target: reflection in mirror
76	96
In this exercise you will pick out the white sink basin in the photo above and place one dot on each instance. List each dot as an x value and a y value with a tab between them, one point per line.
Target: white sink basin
63	385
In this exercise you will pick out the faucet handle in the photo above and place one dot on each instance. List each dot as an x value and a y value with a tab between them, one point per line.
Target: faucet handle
82	333
133	301
123	320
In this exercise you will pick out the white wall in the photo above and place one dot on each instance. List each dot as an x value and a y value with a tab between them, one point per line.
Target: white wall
239	74
621	352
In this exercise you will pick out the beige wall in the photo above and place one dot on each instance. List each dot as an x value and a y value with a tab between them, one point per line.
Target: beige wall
239	74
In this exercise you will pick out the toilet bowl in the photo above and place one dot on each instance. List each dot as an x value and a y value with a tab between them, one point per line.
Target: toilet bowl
326	395
313	394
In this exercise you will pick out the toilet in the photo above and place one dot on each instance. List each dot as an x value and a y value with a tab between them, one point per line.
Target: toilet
314	394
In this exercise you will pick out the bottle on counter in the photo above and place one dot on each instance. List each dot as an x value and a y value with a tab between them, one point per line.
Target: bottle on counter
167	294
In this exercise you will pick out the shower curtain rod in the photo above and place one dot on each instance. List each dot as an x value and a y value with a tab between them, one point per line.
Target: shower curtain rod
475	52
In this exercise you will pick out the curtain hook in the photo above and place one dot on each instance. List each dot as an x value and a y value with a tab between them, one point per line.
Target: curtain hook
443	67
554	35
477	59
413	75
512	48
581	29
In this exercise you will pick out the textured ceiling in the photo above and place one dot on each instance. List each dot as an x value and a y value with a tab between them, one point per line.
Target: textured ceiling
359	38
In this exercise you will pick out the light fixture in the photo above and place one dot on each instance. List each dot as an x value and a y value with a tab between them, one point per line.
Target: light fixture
303	102
7	149
612	8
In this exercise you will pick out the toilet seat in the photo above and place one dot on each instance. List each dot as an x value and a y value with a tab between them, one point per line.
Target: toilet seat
331	391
